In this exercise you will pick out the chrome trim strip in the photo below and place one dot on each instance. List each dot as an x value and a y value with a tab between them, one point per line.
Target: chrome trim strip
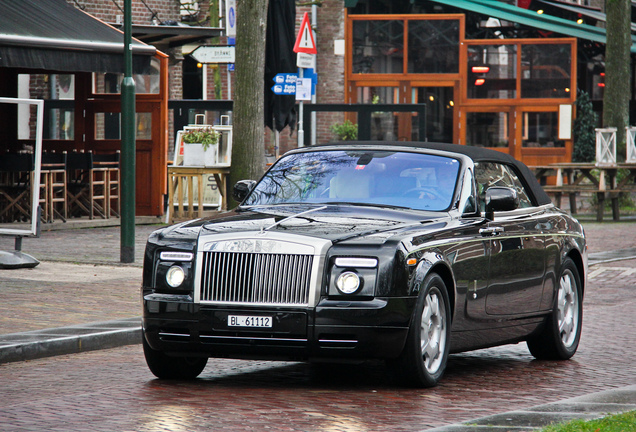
252	338
183	335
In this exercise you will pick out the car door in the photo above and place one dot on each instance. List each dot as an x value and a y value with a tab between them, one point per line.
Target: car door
516	266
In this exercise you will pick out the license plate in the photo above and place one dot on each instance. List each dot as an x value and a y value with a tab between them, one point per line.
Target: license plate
249	321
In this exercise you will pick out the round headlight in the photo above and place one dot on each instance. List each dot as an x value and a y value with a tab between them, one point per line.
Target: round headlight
175	276
348	282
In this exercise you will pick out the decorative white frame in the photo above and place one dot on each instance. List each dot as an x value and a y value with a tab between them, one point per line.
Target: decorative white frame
606	147
630	138
35	181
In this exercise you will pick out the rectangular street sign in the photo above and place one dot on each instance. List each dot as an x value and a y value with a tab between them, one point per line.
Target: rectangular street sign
286	78
306	60
284	89
214	54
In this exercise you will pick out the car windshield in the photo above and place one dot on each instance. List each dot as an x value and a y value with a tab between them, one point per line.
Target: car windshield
385	178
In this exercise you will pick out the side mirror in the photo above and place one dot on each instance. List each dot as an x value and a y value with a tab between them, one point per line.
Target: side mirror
242	188
500	199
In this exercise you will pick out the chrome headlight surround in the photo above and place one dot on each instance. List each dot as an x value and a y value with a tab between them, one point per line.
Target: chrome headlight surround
174	271
353	276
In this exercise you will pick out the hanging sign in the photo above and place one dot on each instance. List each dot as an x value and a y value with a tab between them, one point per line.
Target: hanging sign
303	89
305	41
213	54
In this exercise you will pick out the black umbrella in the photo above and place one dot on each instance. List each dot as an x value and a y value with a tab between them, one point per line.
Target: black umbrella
280	111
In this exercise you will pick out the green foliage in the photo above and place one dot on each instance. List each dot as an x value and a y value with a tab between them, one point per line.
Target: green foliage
615	423
206	136
346	131
584	134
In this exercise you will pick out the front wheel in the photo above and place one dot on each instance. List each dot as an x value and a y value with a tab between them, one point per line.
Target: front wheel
167	367
423	361
560	337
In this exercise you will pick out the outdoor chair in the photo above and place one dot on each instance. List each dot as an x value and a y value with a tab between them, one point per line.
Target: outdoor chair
16	173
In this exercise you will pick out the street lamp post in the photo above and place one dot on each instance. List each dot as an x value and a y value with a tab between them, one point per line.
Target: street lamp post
128	145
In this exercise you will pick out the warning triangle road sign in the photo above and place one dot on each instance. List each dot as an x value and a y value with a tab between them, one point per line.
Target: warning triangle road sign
305	41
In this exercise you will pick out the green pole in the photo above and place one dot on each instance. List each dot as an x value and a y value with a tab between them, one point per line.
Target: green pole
127	145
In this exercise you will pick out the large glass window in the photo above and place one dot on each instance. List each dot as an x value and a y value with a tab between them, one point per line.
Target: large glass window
545	71
110	83
487	129
492	71
384	125
439	112
107	126
433	46
378	46
541	129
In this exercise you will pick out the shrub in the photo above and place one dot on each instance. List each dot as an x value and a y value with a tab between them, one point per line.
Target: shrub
584	135
346	131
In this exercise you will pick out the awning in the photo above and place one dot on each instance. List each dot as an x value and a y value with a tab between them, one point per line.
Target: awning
585	11
164	36
53	35
496	9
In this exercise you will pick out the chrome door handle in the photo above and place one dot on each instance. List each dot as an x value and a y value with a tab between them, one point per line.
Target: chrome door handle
491	231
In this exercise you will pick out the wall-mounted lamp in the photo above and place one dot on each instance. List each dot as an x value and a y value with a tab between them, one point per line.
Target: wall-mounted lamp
480	69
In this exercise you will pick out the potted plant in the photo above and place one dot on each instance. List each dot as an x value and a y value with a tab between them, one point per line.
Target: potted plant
200	146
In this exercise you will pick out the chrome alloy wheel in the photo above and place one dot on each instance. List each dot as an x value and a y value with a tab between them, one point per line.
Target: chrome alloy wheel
567	309
433	331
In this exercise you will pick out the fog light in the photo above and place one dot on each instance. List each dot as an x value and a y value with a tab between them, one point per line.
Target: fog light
348	282
175	276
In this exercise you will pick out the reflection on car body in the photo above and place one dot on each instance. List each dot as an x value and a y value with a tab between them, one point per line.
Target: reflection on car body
398	251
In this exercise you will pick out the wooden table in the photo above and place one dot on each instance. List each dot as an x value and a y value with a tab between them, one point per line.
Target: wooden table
180	177
570	180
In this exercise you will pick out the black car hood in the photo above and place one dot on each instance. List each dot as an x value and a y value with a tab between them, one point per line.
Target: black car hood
331	222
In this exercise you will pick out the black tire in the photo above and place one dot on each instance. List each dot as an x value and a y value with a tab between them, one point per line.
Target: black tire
167	367
559	338
423	360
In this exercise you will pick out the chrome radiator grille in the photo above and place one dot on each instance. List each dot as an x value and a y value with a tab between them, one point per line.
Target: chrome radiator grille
255	278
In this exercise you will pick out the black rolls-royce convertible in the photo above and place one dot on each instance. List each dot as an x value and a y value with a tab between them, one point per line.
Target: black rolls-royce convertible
398	251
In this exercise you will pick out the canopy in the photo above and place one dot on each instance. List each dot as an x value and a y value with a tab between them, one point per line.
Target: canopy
497	9
585	11
53	35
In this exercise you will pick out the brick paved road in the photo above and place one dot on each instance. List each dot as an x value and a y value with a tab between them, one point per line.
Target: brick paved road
112	390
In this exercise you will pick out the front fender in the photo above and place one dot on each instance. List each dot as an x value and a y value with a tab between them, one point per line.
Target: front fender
426	262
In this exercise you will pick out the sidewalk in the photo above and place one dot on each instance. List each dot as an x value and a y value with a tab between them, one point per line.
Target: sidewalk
81	298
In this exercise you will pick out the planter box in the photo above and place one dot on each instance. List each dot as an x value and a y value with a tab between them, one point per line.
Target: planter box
194	155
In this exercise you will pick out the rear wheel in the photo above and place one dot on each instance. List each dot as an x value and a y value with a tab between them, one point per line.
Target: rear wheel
167	367
560	337
423	361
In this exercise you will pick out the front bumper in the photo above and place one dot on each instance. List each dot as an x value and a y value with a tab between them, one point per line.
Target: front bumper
334	330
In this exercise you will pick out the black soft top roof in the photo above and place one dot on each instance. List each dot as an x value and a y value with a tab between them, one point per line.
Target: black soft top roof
477	154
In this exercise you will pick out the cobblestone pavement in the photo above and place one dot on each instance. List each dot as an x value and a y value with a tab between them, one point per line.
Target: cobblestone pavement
112	390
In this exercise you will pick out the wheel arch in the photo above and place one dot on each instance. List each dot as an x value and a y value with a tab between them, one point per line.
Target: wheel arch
445	273
577	258
433	263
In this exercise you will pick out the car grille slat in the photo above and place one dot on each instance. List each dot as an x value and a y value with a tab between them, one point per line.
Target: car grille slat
255	278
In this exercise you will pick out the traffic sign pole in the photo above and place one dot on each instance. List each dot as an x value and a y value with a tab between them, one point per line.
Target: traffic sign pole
301	131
